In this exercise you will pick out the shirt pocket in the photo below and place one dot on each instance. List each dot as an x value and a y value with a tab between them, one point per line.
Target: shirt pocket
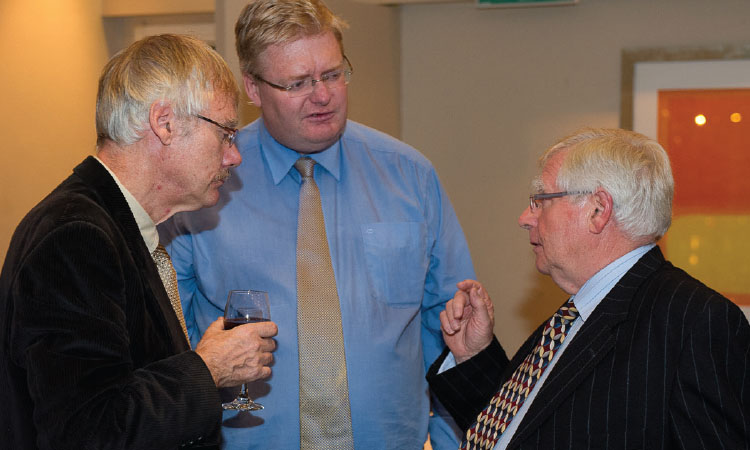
395	254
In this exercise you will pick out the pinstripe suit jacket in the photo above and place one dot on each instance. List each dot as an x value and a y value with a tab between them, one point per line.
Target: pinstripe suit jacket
662	363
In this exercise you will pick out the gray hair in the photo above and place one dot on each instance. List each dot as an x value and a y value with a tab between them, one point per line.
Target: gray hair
631	167
182	70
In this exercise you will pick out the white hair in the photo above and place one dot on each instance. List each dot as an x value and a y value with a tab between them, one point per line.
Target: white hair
631	167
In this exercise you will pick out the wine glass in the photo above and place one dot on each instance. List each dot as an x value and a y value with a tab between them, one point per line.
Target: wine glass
245	306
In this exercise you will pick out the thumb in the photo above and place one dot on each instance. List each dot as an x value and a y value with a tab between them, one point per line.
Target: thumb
216	325
481	304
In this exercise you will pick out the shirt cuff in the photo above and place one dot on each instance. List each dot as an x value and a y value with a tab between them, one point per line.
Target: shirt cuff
448	363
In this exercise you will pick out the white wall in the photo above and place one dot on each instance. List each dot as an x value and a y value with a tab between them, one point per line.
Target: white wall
485	91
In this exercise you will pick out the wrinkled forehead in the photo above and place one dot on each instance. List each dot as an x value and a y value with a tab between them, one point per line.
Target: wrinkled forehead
546	180
299	46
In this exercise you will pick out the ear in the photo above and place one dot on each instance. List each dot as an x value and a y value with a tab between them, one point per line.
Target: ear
161	118
252	89
601	211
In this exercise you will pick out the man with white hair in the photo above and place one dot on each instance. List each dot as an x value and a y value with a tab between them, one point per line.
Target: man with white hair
93	347
640	356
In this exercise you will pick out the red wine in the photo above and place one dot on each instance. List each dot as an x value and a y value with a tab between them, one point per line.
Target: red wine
233	322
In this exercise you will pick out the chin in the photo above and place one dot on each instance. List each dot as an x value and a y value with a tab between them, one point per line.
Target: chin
542	268
210	199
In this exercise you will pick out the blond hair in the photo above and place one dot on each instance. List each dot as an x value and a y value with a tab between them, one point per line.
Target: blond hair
263	23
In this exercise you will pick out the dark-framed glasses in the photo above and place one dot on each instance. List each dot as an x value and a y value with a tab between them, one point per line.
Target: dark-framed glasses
230	134
304	87
535	200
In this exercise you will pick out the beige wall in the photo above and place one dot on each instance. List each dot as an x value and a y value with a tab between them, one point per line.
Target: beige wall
485	91
51	53
480	91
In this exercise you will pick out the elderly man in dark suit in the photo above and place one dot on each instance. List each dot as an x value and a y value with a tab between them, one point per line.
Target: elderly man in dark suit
93	354
641	356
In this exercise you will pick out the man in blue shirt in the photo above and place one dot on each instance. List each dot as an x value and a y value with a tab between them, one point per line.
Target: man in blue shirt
396	247
648	357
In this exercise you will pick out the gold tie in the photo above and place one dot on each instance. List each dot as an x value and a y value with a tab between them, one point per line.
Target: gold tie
169	279
324	412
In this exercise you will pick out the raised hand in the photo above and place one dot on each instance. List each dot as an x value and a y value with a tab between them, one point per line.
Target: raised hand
468	320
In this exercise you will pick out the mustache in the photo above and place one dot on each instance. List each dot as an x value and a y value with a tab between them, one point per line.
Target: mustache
223	175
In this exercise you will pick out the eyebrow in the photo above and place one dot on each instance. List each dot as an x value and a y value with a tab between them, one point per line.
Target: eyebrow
231	123
340	66
537	184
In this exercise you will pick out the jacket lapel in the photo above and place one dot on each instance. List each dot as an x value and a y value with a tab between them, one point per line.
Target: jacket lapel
593	341
110	197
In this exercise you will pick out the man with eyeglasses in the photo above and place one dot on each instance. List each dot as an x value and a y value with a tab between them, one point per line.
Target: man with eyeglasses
641	355
395	245
94	352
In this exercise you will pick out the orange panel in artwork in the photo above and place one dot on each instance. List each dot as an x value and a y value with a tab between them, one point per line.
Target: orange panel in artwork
711	162
707	135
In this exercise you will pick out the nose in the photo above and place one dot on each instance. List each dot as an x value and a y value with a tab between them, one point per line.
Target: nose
232	157
321	93
527	219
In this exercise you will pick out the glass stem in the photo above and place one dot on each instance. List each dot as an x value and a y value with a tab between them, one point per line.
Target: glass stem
243	394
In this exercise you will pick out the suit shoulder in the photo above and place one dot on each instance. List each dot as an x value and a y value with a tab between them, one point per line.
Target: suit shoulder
678	291
71	201
70	210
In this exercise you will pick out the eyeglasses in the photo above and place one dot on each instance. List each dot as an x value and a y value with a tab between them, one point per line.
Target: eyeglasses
535	200
230	134
301	88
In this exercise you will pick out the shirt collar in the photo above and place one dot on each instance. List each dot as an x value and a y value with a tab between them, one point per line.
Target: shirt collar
146	225
598	286
281	158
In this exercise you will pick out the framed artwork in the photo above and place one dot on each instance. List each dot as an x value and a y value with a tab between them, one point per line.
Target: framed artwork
696	103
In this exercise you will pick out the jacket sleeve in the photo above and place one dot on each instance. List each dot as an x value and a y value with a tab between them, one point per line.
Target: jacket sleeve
466	389
74	300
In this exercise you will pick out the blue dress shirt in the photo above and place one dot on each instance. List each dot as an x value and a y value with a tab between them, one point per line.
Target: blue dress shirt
397	251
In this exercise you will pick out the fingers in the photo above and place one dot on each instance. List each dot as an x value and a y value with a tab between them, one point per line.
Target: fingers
451	316
239	355
445	324
480	302
216	325
470	299
262	329
466	285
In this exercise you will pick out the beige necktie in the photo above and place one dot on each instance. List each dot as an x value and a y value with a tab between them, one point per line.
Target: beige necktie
325	415
169	279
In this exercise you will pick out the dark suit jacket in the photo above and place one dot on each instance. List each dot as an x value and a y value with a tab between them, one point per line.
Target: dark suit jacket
663	362
92	354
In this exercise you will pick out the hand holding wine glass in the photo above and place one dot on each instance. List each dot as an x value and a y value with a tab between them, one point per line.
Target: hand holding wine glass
243	307
241	354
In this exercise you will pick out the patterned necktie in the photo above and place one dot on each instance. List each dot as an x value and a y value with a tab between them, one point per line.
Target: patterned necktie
325	415
504	405
169	279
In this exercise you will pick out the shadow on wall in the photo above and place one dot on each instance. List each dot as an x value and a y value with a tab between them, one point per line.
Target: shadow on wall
541	301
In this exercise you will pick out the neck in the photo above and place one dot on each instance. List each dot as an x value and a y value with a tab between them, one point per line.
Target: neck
599	254
138	173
